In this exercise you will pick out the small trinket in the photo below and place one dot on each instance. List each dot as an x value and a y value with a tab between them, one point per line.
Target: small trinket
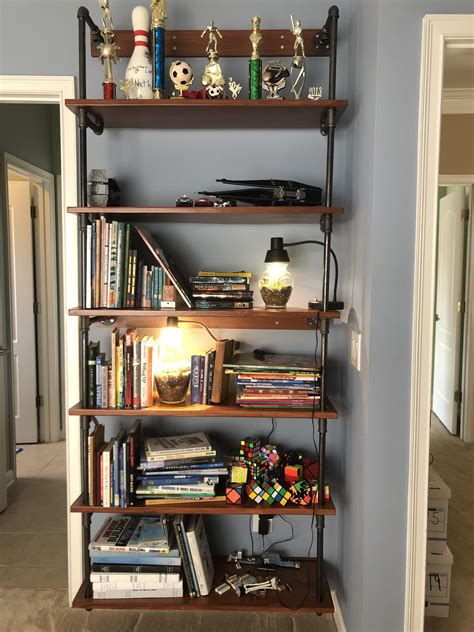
315	93
234	88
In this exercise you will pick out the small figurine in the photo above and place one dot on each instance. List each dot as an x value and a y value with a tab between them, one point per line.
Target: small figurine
212	44
255	63
158	26
274	78
315	93
182	76
234	88
107	50
298	64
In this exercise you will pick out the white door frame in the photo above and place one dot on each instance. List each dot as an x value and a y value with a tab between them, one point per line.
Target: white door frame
48	326
437	31
29	89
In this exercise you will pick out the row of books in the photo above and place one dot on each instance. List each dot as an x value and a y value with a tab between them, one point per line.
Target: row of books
126	380
126	268
209	382
113	466
276	381
222	290
179	468
143	557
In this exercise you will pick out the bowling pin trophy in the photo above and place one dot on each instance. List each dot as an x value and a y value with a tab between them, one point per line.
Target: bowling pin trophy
139	74
298	65
255	63
158	27
107	50
213	77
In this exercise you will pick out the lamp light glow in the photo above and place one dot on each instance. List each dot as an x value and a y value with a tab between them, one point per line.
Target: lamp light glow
173	369
276	283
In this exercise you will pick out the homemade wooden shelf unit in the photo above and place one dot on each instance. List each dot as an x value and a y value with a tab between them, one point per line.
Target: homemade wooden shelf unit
310	590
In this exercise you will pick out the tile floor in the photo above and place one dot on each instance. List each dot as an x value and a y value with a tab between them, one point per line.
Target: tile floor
33	568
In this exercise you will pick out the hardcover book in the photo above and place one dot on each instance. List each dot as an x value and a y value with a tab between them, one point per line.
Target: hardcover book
200	553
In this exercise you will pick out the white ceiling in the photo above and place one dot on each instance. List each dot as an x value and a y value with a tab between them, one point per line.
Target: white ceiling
459	68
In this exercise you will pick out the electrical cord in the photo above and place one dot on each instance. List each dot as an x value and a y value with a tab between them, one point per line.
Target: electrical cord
271	431
251	535
336	264
292	536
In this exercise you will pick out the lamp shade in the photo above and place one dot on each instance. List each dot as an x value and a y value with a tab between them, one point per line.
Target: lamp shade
277	253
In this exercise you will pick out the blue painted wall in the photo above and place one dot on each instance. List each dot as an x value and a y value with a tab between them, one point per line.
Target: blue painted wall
375	178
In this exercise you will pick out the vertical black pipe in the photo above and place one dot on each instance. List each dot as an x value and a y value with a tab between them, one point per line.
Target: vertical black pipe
83	15
326	227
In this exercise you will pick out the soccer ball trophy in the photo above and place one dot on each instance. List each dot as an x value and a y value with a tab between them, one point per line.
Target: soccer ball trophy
182	76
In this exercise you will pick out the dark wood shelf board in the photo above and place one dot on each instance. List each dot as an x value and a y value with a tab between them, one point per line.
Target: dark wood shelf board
291	319
230	215
234	43
248	507
208	114
201	410
302	597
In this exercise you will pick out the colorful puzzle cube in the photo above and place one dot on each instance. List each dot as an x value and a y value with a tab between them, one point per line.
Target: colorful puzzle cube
249	447
234	493
282	494
270	452
254	492
293	473
258	465
301	492
239	472
327	495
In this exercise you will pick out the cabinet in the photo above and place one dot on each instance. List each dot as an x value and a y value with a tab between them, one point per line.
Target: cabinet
97	114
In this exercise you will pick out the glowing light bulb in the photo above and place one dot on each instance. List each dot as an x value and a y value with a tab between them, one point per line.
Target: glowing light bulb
276	285
173	365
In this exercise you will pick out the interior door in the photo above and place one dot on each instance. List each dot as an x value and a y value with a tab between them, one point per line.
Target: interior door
448	317
22	314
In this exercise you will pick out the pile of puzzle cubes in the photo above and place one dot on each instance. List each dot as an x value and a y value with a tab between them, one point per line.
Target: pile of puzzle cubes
265	475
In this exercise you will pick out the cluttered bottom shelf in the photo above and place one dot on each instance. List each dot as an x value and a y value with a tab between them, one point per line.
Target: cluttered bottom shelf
301	597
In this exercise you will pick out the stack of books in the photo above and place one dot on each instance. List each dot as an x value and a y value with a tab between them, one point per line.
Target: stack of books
222	290
179	469
209	383
276	381
133	558
126	380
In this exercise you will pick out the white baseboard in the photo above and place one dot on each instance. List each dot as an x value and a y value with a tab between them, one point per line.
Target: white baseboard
338	620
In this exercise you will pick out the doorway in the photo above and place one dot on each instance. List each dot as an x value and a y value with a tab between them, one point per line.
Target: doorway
32	238
440	34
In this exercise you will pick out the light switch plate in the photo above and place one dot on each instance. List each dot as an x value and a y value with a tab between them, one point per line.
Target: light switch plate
355	349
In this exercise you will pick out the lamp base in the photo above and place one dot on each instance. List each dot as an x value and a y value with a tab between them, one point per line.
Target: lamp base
332	305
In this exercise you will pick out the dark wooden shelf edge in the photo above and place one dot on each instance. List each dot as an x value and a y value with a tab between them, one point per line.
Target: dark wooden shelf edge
202	211
302	598
201	410
211	509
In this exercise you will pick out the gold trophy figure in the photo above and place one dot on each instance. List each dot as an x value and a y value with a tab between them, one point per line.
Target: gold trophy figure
158	13
212	44
298	65
255	63
107	50
255	37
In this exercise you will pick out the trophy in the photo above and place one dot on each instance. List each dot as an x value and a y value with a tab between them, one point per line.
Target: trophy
107	50
213	77
298	65
274	78
255	63
234	88
181	74
315	93
158	27
139	74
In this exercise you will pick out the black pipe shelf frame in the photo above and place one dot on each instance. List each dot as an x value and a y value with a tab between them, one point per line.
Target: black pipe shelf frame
325	42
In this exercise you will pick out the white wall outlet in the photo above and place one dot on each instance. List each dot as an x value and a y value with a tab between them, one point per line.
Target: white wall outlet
355	349
255	521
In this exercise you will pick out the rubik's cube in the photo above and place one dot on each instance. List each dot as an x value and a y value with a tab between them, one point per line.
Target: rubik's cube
234	493
258	466
254	491
249	447
301	492
327	495
270	452
293	457
239	472
293	473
